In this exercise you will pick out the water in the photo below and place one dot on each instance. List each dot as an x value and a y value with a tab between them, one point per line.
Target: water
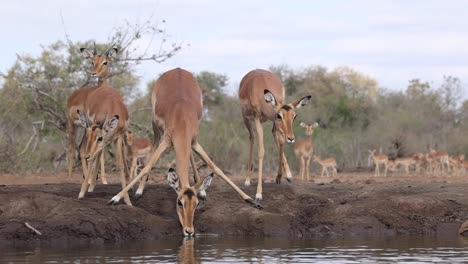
222	250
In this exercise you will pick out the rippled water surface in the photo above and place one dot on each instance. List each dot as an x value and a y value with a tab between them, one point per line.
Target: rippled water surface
204	249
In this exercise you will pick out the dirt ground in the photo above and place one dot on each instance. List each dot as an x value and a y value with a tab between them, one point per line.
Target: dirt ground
354	204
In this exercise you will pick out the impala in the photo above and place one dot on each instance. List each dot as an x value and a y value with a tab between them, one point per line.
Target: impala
177	110
137	151
105	118
441	159
76	102
261	95
329	163
405	162
304	148
378	160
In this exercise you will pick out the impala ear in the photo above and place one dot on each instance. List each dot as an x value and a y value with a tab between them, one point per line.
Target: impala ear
173	179
112	124
205	183
84	120
301	102
302	124
316	125
112	53
87	53
270	98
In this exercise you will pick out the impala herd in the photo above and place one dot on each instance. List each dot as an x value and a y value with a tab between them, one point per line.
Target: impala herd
177	107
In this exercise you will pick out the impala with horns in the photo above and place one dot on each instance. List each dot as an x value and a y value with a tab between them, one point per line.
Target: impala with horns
261	95
177	110
105	118
76	102
304	148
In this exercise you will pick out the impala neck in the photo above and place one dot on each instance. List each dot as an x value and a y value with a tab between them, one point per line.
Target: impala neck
102	80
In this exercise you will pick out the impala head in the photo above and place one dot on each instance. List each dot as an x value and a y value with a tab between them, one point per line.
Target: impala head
285	115
97	135
309	127
101	62
187	200
129	137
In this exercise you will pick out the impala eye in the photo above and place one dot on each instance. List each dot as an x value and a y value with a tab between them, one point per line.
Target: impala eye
105	63
179	203
278	116
99	139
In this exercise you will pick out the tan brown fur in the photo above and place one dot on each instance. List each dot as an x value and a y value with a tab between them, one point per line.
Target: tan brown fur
177	108
328	163
304	148
261	96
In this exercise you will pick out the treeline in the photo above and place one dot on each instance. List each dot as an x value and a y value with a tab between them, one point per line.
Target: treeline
355	114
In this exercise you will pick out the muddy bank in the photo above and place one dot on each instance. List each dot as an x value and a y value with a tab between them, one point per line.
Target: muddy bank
298	210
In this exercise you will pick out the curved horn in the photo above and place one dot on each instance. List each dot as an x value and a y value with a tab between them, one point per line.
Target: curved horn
94	48
101	125
109	49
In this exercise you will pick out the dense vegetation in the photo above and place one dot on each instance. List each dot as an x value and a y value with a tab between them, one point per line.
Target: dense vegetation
354	112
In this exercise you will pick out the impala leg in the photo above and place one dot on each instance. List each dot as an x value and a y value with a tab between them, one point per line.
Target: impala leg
286	167
87	170
280	161
133	168
386	168
124	175
248	177
307	168
199	150
103	168
148	166
94	171
71	147
261	153
301	167
196	176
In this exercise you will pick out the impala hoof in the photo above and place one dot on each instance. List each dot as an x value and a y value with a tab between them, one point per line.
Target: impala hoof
247	183
278	180
289	180
115	200
254	203
258	196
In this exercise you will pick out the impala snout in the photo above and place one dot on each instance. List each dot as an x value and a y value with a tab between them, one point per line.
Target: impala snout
189	232
290	140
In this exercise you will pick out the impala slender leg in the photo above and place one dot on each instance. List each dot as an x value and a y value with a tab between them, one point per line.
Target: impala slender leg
286	167
301	167
71	147
280	162
196	176
307	168
124	174
103	168
93	176
148	166
133	168
87	170
199	150
261	153
248	177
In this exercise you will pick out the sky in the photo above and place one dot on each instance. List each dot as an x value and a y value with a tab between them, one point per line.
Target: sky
390	41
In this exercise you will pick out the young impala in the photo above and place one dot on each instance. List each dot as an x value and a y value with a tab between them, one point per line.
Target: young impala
76	102
378	160
261	95
329	163
177	110
137	151
304	148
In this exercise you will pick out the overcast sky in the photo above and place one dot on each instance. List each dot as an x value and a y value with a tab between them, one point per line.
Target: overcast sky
391	41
